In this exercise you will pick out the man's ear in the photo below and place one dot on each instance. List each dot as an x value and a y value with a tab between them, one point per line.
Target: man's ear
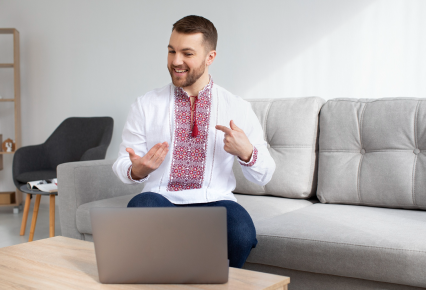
210	57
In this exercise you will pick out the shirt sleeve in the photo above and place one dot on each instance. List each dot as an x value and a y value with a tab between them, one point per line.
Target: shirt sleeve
129	176
261	166
133	136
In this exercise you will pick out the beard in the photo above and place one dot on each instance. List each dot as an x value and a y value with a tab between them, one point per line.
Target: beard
191	76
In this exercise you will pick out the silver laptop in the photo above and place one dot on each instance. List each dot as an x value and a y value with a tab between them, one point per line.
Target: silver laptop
161	245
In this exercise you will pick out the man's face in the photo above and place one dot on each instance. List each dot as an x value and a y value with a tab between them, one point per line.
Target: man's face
186	59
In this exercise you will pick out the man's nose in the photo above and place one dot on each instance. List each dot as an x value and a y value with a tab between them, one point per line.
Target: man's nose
177	60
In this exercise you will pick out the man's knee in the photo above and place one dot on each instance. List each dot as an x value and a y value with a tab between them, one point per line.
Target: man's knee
243	235
148	199
241	229
241	239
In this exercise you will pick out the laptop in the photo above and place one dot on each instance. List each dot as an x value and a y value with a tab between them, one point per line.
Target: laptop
161	245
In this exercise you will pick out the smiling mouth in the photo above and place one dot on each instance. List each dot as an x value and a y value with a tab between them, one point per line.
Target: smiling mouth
180	70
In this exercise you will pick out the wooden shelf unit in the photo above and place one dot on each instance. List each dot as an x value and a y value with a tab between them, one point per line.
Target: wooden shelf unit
17	102
6	64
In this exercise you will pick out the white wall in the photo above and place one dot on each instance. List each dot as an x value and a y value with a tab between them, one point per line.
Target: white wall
93	58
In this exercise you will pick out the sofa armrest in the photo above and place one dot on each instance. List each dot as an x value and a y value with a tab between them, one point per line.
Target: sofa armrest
86	181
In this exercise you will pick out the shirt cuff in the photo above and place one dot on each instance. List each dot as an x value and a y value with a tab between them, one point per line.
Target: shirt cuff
252	160
129	176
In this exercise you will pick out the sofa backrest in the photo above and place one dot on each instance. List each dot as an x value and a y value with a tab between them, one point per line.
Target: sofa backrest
291	128
373	152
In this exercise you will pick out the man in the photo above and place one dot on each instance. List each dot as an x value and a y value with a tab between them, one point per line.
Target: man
188	118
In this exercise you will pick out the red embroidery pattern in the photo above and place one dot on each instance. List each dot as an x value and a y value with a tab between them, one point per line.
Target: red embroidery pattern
253	161
129	176
189	153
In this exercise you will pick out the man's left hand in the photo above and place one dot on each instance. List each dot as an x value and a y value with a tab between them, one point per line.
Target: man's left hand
236	141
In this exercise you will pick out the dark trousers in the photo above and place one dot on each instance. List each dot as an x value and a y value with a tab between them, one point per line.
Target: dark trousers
241	231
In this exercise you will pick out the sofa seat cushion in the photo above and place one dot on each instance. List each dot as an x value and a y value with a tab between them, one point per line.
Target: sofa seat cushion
84	224
259	207
265	207
379	244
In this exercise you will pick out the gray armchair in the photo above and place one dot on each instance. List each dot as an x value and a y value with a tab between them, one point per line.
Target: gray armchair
75	139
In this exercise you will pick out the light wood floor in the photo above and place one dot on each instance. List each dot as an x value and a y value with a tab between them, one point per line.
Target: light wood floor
10	224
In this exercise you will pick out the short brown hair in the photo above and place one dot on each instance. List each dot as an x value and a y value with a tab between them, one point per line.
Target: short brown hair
194	24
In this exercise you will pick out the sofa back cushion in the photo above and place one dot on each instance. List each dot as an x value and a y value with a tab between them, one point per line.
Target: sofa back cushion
291	129
373	152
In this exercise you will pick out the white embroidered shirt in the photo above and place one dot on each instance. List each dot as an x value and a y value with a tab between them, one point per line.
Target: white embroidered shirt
196	169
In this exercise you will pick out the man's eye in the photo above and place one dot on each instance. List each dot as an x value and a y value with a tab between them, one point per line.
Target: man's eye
171	51
188	54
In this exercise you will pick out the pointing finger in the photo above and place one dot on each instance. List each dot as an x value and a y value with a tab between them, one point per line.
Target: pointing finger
224	129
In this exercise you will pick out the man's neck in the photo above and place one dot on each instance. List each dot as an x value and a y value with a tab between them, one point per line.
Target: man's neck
198	85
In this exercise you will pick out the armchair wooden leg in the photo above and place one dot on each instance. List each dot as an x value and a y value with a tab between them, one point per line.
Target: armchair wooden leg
34	219
52	216
25	216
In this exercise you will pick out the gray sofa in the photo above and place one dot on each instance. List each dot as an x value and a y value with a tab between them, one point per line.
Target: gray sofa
344	209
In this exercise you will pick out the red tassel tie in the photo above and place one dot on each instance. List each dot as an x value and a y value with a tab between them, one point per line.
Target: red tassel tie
195	130
194	126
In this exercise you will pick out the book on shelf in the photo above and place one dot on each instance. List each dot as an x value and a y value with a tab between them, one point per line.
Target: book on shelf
49	185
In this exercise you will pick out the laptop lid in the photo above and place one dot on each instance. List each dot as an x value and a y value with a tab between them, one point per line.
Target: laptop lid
161	245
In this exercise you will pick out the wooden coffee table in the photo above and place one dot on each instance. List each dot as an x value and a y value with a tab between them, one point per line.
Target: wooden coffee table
64	263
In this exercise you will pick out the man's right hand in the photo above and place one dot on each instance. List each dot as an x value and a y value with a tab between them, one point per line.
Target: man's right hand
142	166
